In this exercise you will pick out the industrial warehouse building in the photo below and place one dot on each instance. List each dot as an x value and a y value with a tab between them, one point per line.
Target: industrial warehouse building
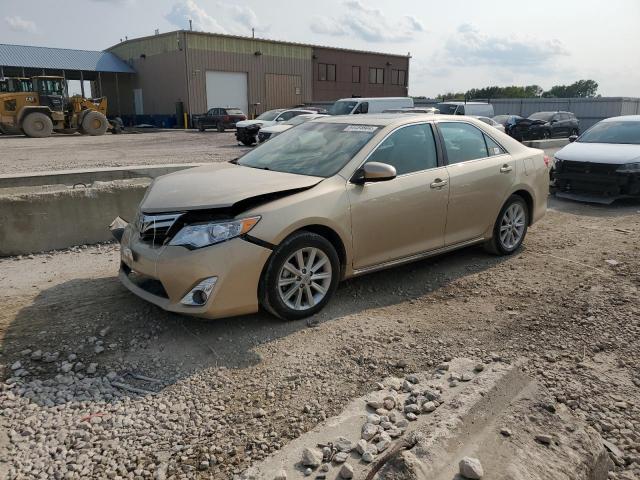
157	79
194	71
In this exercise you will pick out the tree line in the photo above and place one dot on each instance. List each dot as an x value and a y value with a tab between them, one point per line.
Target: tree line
579	89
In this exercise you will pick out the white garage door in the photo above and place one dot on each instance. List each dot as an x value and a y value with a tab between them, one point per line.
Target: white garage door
227	89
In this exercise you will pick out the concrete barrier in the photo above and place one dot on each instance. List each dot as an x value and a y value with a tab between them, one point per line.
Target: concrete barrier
36	219
88	176
544	144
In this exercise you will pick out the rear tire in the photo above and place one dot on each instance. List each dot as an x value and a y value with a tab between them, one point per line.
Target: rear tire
37	125
546	135
94	124
201	128
220	127
292	296
510	227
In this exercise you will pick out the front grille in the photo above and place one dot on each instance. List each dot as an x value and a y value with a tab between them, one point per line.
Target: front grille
155	229
263	136
148	284
568	167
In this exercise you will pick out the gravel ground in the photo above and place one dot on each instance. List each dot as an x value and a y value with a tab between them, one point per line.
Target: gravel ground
63	152
216	396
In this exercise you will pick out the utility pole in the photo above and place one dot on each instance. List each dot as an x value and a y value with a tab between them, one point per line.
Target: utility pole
190	25
253	32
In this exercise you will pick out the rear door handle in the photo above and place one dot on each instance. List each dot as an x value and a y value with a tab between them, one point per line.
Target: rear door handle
506	169
438	183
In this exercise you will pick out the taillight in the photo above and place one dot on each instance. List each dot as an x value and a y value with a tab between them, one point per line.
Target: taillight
547	160
225	118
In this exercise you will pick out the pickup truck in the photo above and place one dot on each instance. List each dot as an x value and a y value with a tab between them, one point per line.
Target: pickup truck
219	118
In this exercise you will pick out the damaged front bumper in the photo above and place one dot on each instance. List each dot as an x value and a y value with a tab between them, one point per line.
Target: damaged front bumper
594	182
166	275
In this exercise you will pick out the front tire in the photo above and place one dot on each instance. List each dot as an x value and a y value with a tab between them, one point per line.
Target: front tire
510	227
94	124
37	125
301	276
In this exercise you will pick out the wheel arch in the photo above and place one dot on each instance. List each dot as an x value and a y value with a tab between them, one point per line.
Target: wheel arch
27	110
528	199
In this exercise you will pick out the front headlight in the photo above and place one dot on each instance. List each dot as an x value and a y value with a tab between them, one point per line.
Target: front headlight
205	234
629	168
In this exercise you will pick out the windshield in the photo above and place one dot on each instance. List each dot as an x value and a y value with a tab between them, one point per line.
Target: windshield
234	111
546	116
447	108
343	107
269	116
613	132
317	149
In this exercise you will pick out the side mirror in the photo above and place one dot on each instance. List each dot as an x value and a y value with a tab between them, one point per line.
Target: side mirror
553	121
374	172
279	119
573	138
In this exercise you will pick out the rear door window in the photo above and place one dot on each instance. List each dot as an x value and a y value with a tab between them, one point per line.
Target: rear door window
493	147
463	142
409	149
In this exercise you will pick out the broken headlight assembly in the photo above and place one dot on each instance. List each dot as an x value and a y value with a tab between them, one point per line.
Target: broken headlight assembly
205	234
629	168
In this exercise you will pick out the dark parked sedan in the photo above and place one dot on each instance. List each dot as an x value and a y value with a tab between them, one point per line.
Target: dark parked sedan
219	118
544	125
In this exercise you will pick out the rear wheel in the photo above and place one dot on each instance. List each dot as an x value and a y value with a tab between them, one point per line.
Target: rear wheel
201	127
546	135
94	123
510	227
37	125
301	276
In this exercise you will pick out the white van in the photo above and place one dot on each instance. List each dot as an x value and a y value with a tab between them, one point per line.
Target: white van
353	106
480	109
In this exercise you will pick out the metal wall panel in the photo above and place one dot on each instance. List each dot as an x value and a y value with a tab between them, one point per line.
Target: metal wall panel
282	90
256	67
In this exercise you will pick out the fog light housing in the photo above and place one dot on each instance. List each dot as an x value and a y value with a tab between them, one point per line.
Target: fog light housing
199	294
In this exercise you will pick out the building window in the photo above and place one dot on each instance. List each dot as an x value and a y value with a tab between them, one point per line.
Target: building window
376	75
327	72
399	77
355	74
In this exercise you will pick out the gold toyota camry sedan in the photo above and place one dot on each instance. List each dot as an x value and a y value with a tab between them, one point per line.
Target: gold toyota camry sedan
327	200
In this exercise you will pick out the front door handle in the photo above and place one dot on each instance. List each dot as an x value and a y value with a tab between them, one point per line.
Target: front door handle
506	168
438	183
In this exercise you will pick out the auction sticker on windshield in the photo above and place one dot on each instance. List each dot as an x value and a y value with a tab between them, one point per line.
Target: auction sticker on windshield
360	128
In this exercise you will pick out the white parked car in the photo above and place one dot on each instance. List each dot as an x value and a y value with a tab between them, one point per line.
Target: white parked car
490	121
602	164
247	130
266	133
466	108
412	110
354	106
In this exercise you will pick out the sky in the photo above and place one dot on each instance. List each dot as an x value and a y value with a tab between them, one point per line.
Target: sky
455	45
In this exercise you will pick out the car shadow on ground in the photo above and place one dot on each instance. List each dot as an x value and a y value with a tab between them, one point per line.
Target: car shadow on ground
84	316
618	208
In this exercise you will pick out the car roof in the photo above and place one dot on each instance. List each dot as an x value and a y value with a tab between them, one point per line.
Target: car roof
369	99
384	119
623	118
456	102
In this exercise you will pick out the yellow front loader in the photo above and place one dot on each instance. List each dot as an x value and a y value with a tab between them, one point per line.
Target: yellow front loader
45	109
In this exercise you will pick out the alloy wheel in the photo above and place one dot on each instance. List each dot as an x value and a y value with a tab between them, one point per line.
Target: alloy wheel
512	226
305	278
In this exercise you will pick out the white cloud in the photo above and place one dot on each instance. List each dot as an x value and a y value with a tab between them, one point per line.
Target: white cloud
369	24
468	46
19	24
186	10
231	19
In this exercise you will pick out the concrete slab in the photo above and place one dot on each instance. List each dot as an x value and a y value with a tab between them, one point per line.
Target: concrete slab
86	176
42	219
547	144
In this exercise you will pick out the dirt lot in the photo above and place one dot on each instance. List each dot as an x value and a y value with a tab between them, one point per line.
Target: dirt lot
62	152
217	396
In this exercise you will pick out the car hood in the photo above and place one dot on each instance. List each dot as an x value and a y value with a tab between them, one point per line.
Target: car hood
612	153
276	128
220	185
260	123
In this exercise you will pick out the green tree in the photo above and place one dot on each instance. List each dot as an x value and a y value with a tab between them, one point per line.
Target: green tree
581	89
